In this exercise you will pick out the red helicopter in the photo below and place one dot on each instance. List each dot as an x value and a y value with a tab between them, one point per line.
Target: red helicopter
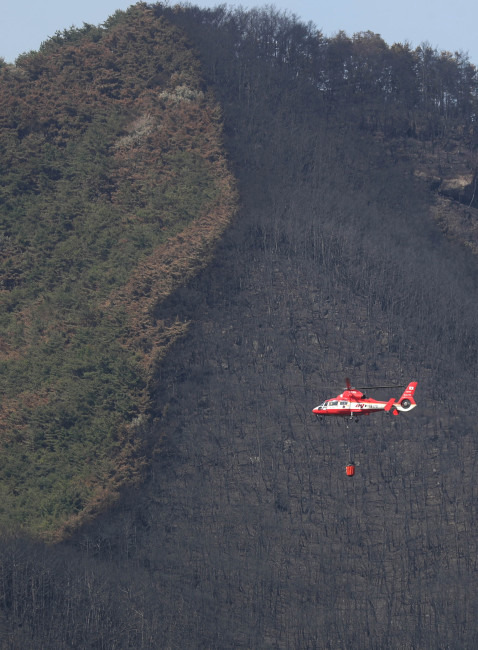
353	403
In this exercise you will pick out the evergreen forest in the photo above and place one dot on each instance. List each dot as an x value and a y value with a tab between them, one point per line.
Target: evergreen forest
209	218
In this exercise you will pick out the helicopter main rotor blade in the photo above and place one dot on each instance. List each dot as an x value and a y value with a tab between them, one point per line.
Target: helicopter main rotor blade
374	387
350	387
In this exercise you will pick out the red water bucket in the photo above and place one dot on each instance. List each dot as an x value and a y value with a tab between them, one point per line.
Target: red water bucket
350	469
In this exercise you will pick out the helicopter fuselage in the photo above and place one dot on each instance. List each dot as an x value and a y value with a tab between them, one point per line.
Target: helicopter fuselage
352	403
346	408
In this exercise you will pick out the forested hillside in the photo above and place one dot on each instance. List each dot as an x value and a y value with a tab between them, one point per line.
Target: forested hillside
352	254
114	190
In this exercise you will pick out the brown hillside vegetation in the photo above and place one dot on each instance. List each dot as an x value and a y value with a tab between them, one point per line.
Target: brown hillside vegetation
115	190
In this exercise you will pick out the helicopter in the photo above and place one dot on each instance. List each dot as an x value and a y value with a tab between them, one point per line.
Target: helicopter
352	403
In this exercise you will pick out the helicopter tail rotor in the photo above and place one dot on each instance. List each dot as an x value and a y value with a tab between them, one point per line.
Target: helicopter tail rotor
407	401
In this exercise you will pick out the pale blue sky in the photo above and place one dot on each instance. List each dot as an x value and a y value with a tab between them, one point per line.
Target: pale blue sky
444	24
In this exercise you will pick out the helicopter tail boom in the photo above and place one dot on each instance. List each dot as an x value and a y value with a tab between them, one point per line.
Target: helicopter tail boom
389	405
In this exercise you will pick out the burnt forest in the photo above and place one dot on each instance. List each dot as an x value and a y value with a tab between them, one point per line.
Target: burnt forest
210	218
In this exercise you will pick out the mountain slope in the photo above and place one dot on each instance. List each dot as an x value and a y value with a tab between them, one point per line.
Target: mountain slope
247	532
115	190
